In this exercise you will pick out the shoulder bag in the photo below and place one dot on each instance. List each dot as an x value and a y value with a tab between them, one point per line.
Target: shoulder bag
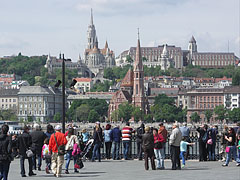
61	148
29	152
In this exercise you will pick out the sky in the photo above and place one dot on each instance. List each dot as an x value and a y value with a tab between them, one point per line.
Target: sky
37	27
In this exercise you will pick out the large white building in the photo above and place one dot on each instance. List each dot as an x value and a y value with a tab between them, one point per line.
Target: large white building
232	97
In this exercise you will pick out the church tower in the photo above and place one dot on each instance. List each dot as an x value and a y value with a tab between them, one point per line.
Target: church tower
138	98
192	46
91	34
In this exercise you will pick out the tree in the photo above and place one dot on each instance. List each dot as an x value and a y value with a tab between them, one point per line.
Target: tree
236	78
234	115
125	111
144	59
137	113
195	117
163	99
82	113
57	117
9	114
208	114
93	116
115	116
129	59
220	111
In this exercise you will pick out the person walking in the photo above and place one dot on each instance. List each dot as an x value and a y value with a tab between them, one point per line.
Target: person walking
115	136
108	141
50	131
148	146
183	149
158	149
231	139
140	132
38	138
126	139
98	140
83	142
174	141
71	140
57	140
203	137
5	152
46	155
24	144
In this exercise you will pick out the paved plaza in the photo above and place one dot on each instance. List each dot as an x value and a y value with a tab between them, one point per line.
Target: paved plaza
134	169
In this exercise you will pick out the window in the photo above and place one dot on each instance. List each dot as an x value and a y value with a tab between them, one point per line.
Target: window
2	100
20	112
208	99
216	99
220	99
136	75
136	88
6	100
25	105
40	112
212	99
14	100
10	100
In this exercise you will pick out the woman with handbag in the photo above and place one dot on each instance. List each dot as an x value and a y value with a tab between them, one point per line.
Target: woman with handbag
231	139
98	140
159	149
71	141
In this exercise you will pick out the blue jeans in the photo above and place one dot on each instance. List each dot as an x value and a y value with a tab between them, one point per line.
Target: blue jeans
126	145
232	152
4	169
96	152
37	157
69	156
160	156
238	154
115	150
182	156
211	151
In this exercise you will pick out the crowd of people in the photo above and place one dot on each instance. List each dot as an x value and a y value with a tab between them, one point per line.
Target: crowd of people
54	147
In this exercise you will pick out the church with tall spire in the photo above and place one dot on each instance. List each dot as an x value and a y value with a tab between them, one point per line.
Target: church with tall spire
97	59
132	87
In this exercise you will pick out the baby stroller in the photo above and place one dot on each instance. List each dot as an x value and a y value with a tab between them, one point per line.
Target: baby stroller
87	151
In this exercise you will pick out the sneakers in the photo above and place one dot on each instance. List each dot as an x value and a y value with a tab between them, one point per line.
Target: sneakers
183	166
23	175
47	170
32	174
224	165
66	172
238	164
39	169
76	171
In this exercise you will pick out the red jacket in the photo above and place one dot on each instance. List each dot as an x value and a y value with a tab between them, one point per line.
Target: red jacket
61	140
158	138
163	132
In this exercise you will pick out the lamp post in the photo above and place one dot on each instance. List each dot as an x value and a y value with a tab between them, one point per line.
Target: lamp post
63	94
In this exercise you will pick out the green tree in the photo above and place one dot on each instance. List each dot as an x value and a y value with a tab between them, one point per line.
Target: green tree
57	117
234	115
82	113
125	111
236	78
208	114
220	111
93	116
195	117
129	59
115	116
137	113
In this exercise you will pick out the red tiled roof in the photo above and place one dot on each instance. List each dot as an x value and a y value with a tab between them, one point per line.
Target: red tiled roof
128	79
83	79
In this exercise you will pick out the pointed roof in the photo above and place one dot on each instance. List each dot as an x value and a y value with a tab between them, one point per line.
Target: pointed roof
192	40
49	57
106	45
128	79
164	52
91	22
138	60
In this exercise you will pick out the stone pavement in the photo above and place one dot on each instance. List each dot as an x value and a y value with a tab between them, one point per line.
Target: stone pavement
134	169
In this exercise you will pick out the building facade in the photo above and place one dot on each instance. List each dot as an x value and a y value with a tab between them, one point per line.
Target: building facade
232	97
83	84
38	103
9	99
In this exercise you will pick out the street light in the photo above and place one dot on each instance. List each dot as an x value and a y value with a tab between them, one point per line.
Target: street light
63	94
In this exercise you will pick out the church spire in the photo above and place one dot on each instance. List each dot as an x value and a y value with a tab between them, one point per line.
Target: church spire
138	59
106	45
91	22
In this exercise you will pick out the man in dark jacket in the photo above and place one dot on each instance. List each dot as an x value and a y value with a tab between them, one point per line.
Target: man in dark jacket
5	152
148	145
115	136
202	142
38	138
140	132
25	143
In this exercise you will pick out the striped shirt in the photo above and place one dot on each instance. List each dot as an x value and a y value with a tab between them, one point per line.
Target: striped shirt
127	133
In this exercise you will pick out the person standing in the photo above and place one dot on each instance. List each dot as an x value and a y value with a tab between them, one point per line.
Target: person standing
223	143
148	146
50	131
140	132
174	141
186	134
183	149
71	140
231	139
162	130
98	140
38	138
126	138
213	131
24	144
203	137
57	139
108	141
116	135
158	149
5	152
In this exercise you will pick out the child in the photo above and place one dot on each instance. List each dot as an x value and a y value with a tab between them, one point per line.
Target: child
46	155
183	150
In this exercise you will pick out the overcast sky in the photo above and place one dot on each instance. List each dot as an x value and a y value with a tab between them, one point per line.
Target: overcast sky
36	27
